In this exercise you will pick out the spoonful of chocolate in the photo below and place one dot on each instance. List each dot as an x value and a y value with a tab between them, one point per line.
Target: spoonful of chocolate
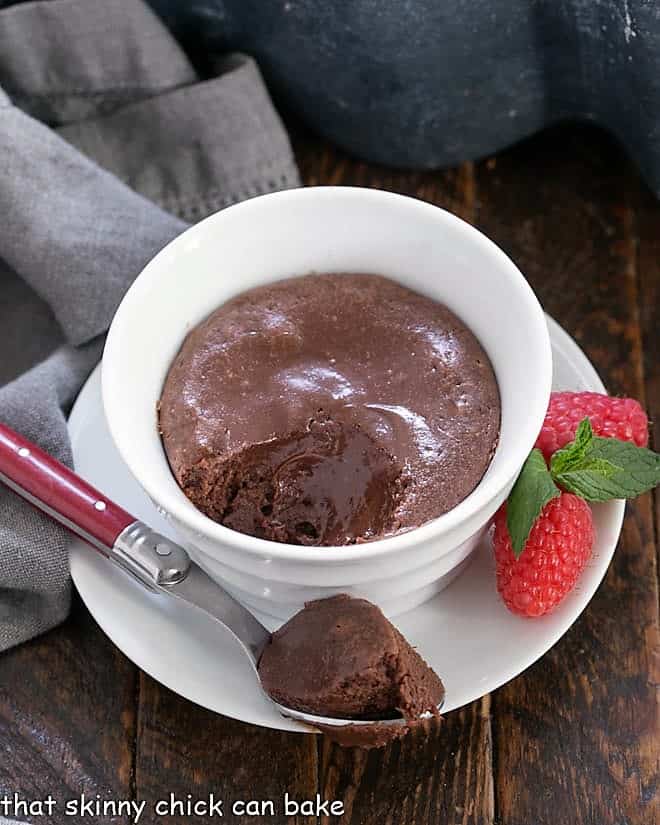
338	665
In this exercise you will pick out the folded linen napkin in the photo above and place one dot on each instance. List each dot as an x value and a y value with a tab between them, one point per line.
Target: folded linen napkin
109	144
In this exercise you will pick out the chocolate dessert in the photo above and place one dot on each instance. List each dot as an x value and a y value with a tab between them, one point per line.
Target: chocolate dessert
340	657
329	410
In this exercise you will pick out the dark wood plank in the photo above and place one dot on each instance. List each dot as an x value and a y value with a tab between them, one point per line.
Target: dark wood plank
184	749
439	774
647	233
446	776
323	165
67	720
573	738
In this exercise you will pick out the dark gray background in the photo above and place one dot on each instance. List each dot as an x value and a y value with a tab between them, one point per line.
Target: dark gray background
428	83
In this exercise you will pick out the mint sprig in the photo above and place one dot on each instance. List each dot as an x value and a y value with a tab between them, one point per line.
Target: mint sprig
594	468
604	468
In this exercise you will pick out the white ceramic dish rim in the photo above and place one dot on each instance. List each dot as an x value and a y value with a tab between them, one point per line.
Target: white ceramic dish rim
171	499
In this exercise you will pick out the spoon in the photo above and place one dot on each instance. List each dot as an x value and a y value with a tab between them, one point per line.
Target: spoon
158	563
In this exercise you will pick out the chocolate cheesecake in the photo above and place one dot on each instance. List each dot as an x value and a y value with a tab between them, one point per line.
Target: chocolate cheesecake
329	410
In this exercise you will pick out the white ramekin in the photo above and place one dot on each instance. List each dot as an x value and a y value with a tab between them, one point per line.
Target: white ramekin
327	229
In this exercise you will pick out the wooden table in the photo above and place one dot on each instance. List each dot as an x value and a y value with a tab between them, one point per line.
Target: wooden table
574	740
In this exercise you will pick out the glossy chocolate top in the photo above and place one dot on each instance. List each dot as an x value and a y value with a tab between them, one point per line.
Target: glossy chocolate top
400	390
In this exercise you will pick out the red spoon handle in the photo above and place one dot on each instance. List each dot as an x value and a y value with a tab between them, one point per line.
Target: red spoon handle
59	492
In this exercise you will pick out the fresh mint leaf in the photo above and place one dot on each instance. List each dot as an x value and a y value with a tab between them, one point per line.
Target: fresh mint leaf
531	492
574	453
600	466
611	469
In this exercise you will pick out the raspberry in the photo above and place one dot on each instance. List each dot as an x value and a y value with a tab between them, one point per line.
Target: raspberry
610	417
557	549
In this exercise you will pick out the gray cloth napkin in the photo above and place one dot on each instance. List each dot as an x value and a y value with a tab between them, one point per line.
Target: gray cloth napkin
109	144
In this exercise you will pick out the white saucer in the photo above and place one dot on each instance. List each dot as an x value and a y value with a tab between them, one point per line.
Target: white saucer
465	633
